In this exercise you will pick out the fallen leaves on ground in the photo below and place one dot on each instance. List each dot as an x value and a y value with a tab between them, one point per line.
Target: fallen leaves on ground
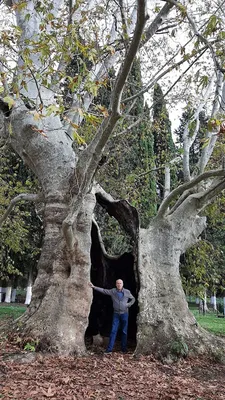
103	377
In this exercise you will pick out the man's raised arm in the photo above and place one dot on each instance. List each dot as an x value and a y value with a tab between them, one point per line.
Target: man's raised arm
101	290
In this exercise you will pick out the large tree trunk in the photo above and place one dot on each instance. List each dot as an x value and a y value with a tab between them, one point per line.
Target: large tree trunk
58	314
165	324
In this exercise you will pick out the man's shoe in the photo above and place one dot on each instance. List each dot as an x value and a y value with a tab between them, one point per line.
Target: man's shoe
107	352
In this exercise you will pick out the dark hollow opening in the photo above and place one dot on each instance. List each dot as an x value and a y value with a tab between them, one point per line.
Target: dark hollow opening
105	270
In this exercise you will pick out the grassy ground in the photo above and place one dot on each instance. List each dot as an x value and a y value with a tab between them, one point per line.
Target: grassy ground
11	311
210	321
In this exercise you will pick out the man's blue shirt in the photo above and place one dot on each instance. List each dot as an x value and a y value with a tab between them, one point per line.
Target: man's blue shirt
120	294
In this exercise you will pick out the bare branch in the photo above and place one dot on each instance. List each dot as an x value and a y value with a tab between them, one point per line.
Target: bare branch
20	197
129	127
163	73
185	186
198	34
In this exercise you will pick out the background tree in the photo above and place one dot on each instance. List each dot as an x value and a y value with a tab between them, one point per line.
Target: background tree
21	234
164	148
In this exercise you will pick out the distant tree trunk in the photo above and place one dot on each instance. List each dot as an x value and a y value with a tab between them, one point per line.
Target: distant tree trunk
1	293
29	287
8	294
13	295
205	302
201	307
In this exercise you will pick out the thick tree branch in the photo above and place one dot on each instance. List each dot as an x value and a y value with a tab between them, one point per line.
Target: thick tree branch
188	185
17	199
137	122
126	65
121	210
207	196
152	29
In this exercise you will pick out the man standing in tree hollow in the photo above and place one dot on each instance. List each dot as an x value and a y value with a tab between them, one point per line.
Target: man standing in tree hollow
120	297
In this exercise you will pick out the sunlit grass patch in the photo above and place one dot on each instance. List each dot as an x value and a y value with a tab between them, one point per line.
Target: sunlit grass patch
210	321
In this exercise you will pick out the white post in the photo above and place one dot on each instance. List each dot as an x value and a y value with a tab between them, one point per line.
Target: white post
13	296
205	301
224	306
214	302
197	301
29	287
1	294
8	294
28	295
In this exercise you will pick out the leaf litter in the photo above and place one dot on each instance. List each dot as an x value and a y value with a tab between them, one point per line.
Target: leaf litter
100	377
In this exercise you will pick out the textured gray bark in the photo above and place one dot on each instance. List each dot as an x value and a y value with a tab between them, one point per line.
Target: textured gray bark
164	316
58	314
164	320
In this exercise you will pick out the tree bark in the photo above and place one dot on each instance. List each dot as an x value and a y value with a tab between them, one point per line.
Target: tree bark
58	314
13	295
164	318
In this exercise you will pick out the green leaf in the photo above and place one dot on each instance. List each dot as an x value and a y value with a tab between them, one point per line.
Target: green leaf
9	100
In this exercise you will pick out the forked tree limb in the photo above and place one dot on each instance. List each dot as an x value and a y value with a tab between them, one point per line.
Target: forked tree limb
17	199
187	186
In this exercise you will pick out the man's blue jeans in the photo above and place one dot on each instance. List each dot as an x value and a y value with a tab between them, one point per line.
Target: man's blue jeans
119	320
